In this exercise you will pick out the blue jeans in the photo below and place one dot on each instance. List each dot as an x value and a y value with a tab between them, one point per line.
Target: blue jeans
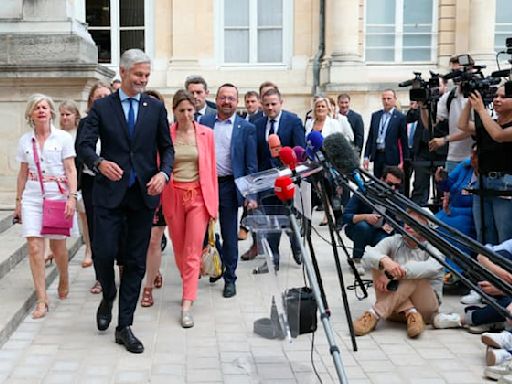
487	314
363	234
497	220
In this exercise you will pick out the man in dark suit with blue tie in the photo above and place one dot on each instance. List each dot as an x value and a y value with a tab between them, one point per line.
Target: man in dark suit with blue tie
387	140
290	130
133	129
235	149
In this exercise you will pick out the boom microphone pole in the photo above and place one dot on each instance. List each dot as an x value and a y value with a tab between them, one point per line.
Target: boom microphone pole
333	148
285	191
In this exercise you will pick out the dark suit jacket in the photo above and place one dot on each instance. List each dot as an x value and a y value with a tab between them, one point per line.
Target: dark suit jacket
290	132
243	148
357	124
420	143
395	133
106	121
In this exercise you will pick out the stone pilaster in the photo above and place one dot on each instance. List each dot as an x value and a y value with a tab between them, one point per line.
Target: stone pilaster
481	31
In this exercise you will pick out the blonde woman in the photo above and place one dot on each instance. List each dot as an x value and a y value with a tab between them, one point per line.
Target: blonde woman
324	122
55	149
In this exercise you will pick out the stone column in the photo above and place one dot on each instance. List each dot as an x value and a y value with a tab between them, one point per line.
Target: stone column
481	31
43	49
344	34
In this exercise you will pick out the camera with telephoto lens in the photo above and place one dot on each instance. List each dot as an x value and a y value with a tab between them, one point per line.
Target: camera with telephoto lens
471	79
422	90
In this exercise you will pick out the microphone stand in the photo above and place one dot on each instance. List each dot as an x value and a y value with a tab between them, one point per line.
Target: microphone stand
330	221
324	316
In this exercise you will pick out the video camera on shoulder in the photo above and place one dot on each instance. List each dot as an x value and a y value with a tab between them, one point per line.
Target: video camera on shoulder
505	73
423	90
471	79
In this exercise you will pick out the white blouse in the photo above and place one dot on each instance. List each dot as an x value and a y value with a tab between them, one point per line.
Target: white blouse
333	126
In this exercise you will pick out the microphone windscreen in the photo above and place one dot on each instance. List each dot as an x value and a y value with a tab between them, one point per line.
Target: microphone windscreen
314	141
284	188
274	145
341	153
288	157
300	153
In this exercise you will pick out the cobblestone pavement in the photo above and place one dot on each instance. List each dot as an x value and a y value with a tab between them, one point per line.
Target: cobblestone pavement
65	347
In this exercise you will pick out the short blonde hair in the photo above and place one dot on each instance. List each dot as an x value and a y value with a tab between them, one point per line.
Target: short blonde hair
319	100
32	103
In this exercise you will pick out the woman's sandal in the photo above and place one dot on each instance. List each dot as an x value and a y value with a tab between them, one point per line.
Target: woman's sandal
40	310
87	262
63	289
147	297
96	288
159	281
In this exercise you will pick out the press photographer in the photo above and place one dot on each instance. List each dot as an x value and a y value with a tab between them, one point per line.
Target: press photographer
449	109
492	210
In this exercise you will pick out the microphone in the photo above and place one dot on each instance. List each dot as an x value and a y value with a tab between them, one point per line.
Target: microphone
314	142
274	145
342	155
288	158
284	188
300	153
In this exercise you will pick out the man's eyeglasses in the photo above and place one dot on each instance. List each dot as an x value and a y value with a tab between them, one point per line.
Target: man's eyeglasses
394	185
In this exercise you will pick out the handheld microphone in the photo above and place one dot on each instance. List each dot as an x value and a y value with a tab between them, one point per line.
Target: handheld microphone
288	158
314	142
300	153
342	155
274	145
284	188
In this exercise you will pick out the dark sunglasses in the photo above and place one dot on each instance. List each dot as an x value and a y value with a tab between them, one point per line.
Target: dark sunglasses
396	185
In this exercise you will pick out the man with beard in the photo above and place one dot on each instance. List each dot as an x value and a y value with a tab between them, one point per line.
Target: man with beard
235	149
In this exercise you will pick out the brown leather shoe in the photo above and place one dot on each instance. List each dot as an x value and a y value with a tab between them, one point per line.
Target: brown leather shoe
415	324
365	324
251	253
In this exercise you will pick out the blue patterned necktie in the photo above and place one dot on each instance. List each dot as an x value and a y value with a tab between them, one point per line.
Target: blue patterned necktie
131	128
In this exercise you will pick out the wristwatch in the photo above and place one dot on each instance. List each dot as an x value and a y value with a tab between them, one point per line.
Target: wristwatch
96	164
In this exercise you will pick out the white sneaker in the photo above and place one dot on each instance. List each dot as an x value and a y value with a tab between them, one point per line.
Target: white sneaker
496	356
495	372
491	327
446	320
472	298
498	340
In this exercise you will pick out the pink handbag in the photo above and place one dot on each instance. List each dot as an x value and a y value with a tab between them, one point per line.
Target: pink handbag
55	221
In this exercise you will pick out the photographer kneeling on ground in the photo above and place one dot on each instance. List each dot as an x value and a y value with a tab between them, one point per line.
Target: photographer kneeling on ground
413	293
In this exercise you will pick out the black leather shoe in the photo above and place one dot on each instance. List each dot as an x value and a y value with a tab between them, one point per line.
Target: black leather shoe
229	290
104	315
297	256
126	337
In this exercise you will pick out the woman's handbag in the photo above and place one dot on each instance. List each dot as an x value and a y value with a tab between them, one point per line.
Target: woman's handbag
55	221
211	263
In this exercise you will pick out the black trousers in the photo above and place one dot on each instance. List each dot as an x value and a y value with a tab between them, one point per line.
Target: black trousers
134	217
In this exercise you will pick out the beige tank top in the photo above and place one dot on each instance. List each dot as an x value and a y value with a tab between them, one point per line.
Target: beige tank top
186	167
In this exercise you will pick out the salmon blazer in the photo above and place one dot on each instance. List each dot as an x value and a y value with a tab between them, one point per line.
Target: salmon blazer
207	173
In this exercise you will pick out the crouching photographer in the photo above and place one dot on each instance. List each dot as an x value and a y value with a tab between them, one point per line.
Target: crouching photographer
492	207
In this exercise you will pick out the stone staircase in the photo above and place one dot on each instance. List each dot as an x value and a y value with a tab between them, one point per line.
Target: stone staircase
16	286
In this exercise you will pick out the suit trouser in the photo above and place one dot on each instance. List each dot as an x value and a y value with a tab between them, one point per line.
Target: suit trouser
379	164
228	219
421	184
133	216
187	228
410	293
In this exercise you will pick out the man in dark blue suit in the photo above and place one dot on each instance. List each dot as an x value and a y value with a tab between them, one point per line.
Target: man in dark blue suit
355	120
133	129
290	130
387	140
235	149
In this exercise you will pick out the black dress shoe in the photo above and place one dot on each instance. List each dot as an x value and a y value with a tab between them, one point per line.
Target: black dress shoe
126	337
229	290
297	256
104	315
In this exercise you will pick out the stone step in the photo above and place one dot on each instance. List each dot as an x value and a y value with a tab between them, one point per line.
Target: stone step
16	284
5	219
